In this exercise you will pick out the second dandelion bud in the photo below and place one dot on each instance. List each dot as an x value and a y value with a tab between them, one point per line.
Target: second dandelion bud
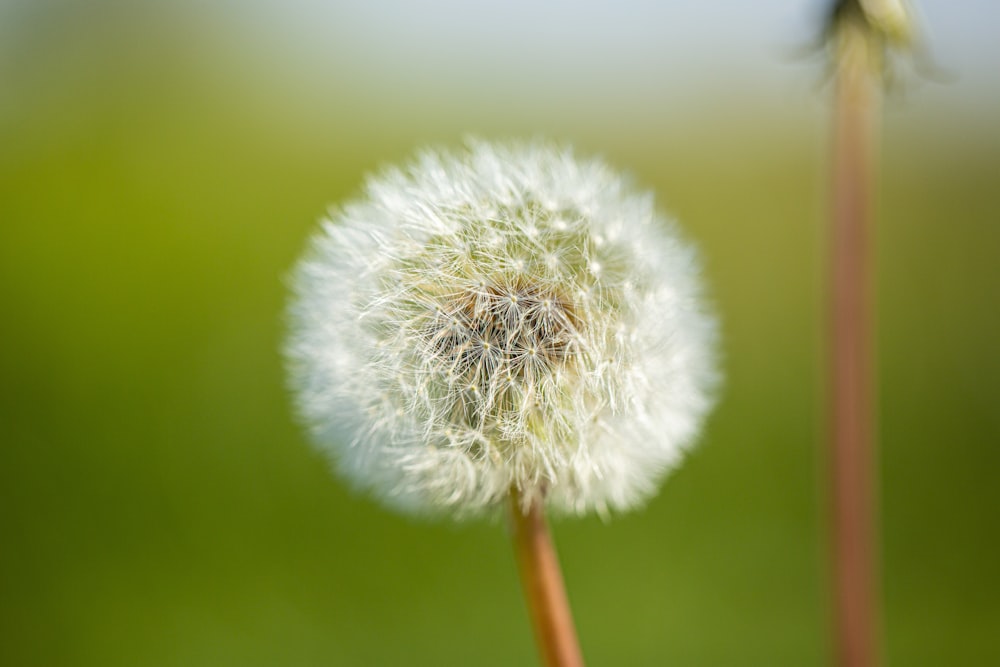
505	317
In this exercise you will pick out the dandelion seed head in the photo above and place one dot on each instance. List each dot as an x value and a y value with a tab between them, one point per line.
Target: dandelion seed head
501	317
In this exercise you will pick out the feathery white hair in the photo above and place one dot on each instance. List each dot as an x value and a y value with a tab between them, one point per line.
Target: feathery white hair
503	317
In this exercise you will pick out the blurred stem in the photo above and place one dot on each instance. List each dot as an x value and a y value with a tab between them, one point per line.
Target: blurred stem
542	582
852	443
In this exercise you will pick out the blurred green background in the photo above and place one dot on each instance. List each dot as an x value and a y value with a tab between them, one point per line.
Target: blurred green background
161	166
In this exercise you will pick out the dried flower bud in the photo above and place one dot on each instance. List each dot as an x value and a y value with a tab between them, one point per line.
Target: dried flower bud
507	317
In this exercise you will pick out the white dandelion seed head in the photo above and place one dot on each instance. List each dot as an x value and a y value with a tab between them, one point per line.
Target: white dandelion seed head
504	317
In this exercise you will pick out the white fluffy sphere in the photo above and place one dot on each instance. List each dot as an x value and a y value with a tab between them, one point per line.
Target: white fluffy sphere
507	316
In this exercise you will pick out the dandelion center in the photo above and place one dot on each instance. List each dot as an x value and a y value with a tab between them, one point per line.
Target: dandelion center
499	341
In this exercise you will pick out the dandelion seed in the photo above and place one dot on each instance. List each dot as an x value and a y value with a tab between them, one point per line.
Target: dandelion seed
515	322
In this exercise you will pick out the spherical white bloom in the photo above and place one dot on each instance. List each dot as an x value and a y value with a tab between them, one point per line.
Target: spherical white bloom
505	317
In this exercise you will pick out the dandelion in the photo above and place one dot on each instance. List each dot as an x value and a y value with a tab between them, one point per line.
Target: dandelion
507	322
508	317
861	33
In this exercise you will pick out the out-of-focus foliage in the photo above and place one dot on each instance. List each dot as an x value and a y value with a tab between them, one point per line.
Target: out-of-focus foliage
158	176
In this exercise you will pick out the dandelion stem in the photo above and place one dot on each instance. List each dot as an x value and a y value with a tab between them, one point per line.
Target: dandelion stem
852	444
542	582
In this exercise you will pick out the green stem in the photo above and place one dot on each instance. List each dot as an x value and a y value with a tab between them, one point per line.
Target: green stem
852	443
542	582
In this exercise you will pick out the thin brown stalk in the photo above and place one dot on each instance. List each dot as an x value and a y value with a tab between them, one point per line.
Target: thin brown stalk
543	586
852	442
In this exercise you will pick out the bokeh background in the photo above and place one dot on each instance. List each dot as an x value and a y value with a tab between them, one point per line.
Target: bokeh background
161	166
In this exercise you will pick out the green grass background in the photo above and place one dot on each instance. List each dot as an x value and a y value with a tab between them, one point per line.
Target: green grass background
160	507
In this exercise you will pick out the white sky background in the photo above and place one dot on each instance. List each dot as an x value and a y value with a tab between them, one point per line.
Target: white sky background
526	60
610	47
